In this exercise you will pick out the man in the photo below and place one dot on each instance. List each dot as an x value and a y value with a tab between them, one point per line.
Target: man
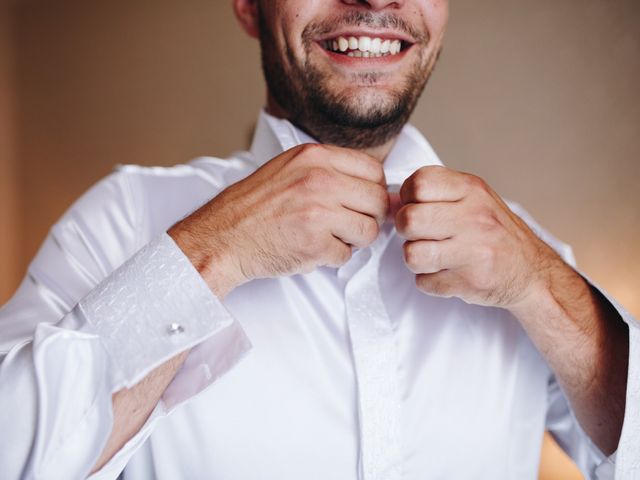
395	319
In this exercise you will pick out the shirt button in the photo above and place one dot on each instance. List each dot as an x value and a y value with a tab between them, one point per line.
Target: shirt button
175	328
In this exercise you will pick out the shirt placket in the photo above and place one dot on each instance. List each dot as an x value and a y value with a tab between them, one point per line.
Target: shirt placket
375	359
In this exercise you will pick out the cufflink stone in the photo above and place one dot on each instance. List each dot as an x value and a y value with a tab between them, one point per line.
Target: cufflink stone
175	328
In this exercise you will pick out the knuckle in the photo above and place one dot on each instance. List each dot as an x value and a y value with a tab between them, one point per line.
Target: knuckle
426	174
432	285
310	148
424	283
369	231
409	219
471	180
298	154
401	220
311	217
441	289
378	171
411	253
316	179
305	153
345	256
418	185
475	183
423	172
487	219
383	197
420	190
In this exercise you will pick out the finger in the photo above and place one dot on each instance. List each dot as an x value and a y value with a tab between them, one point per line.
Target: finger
446	284
429	221
435	184
338	253
356	164
364	196
431	256
395	204
354	228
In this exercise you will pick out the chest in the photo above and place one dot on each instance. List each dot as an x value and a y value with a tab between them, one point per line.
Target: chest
468	384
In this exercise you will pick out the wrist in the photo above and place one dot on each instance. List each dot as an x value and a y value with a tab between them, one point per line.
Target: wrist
217	268
543	293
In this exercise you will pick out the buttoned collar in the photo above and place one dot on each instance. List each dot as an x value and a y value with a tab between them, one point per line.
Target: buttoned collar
410	152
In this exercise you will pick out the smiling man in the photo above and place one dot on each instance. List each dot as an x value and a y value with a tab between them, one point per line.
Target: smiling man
375	315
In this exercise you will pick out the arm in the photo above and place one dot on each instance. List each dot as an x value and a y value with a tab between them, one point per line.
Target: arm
57	380
303	209
586	343
132	406
462	240
239	235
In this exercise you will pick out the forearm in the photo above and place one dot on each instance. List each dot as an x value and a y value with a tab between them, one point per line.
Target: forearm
585	342
132	406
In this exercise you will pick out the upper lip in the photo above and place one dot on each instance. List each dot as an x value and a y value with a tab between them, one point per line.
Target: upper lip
384	34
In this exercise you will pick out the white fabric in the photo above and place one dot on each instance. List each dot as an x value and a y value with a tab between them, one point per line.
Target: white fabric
346	373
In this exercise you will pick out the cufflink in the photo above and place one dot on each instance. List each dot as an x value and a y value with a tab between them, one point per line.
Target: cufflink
175	328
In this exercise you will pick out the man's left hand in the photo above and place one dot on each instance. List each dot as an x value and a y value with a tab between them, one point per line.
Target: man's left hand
464	241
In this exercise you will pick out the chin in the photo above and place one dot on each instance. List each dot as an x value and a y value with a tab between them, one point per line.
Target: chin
368	104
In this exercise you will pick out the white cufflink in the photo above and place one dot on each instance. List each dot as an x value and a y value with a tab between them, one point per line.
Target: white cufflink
175	328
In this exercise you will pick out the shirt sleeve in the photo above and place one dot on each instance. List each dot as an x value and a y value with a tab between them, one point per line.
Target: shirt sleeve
96	313
561	420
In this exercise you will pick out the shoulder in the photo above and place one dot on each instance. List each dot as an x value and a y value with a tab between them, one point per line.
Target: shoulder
120	214
141	201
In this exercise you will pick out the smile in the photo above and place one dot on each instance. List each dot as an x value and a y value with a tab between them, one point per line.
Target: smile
364	46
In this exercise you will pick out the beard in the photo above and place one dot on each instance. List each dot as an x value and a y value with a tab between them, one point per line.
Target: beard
336	117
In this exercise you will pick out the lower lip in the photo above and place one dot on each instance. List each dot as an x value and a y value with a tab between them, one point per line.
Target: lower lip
365	61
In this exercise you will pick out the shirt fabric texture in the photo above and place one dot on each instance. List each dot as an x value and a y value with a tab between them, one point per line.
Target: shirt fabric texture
347	373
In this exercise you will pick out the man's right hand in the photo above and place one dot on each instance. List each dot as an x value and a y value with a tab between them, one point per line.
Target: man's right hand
303	209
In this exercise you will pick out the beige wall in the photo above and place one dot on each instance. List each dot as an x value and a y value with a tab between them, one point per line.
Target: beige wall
537	96
9	229
541	98
150	82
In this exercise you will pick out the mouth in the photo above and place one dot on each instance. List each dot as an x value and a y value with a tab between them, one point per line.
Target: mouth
365	46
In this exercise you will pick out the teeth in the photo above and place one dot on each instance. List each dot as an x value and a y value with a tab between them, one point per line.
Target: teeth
364	46
375	45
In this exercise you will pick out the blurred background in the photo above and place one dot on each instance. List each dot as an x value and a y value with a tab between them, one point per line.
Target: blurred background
539	97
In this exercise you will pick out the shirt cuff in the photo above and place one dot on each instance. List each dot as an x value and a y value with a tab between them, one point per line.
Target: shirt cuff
155	306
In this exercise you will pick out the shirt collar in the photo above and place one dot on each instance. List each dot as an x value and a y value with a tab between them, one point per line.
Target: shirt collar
410	152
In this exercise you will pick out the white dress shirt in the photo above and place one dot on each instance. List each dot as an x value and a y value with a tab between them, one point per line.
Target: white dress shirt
347	373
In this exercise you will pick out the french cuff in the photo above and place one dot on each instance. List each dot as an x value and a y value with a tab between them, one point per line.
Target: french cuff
155	306
625	462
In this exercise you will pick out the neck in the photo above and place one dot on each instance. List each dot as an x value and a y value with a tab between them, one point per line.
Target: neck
380	152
